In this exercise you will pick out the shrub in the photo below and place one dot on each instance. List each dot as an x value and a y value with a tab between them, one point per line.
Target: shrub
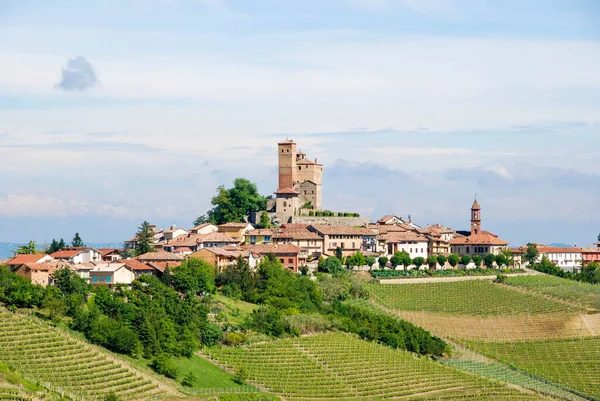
211	334
465	260
441	259
489	260
382	262
268	320
235	339
453	260
418	261
304	270
189	379
431	261
111	397
370	261
331	265
163	364
240	375
311	212
477	260
500	278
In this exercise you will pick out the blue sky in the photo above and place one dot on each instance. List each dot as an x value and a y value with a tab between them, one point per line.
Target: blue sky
112	112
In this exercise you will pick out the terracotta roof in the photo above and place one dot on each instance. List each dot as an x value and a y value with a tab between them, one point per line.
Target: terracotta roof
401	236
161	266
183	249
234	253
201	226
384	229
26	258
552	249
234	224
288	191
294	227
307	161
475	205
264	249
484	238
385	218
590	250
299	235
439	229
135	264
64	254
342	230
50	267
216	237
260	231
160	256
106	251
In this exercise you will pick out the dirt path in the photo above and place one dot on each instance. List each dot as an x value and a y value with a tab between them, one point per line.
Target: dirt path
448	279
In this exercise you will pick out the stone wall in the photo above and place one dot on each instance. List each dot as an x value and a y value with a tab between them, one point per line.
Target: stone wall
331	221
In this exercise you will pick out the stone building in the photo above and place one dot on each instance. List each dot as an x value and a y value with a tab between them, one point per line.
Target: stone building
300	182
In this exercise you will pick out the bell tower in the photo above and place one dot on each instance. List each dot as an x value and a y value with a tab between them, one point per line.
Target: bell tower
287	164
475	218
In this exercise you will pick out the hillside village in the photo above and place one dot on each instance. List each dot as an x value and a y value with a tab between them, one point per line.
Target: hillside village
300	233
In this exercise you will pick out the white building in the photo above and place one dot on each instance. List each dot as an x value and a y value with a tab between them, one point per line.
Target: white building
413	243
568	259
78	255
111	274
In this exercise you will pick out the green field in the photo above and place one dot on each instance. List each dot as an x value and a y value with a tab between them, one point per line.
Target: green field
473	297
336	365
64	364
569	290
572	363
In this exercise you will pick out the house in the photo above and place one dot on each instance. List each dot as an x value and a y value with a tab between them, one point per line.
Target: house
161	256
111	274
476	241
236	231
173	233
219	256
76	255
309	241
439	239
217	239
139	268
259	236
205	228
161	266
288	254
348	239
390	220
40	273
110	254
589	254
415	244
568	259
21	259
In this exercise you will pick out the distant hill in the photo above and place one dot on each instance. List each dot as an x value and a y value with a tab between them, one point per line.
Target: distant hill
7	248
560	245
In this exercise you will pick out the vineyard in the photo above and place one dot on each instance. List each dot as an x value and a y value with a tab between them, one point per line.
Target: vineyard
573	363
66	365
568	290
333	366
475	297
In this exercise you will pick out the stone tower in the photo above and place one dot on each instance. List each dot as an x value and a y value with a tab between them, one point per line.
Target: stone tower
287	164
475	218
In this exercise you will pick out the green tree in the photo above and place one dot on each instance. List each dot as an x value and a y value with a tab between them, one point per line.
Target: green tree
264	221
531	254
189	379
431	261
453	260
383	260
234	204
489	260
358	259
331	265
465	260
163	364
418	262
28	249
441	259
77	242
303	270
509	259
370	261
501	260
145	239
339	253
194	276
477	260
200	220
53	247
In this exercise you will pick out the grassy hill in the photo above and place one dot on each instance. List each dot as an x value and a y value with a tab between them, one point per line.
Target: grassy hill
336	365
66	365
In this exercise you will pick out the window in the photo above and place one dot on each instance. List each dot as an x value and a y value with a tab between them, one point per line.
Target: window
253	239
486	248
343	245
267	238
94	278
291	261
281	260
108	278
467	249
410	250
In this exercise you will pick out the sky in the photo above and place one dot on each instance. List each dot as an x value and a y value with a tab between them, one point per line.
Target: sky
114	112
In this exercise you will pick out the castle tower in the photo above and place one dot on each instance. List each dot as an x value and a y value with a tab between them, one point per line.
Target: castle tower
287	164
475	218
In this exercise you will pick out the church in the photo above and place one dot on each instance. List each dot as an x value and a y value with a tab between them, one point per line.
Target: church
299	179
476	241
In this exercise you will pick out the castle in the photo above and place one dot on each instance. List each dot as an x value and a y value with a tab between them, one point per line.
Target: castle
300	181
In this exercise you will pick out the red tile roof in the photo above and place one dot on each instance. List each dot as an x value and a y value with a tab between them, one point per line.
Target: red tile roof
160	256
26	258
216	237
106	251
234	224
161	266
484	238
288	191
65	254
264	249
298	235
342	230
50	267
293	227
135	264
402	236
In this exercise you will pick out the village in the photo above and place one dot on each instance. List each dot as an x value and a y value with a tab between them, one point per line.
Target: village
300	234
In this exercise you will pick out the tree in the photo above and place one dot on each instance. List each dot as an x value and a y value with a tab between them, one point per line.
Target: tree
441	259
200	220
331	265
418	261
264	221
401	258
189	379
465	260
234	204
77	242
194	276
370	261
509	259
406	260
489	260
501	260
477	260
382	262
145	239
53	247
303	270
453	260
358	259
531	254
339	253
431	261
29	249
